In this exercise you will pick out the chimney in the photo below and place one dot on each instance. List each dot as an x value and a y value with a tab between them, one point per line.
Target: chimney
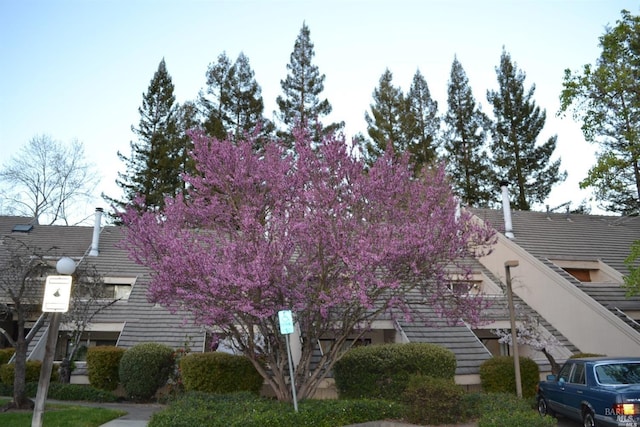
95	243
506	209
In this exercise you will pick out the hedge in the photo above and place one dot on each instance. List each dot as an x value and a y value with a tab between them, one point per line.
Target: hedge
103	364
383	371
220	373
32	372
497	375
145	368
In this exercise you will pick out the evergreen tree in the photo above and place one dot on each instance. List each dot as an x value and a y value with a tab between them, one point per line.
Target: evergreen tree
421	123
465	141
187	117
518	123
301	105
233	101
158	156
385	123
213	101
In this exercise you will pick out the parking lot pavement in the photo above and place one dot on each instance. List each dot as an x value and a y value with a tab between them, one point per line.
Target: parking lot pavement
565	422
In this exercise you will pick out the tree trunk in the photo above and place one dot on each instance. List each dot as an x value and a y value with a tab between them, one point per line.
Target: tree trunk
20	400
555	367
65	371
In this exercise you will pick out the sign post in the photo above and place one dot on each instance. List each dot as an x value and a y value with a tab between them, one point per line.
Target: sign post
57	292
286	328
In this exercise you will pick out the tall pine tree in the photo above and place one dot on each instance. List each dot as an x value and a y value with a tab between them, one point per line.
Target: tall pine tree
465	141
420	122
213	100
158	157
300	104
517	126
385	123
232	103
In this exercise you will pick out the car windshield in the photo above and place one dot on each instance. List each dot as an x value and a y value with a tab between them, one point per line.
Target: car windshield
618	373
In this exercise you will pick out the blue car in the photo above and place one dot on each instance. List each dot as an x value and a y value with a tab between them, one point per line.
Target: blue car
596	391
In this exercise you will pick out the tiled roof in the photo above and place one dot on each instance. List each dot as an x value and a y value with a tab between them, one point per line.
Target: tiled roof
577	237
570	236
143	320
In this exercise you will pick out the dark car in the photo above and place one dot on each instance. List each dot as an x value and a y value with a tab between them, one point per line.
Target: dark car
596	391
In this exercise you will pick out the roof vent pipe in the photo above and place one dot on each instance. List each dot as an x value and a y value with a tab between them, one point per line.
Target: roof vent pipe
95	243
506	209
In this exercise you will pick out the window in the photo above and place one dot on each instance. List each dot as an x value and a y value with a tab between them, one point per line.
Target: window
118	287
588	271
618	373
565	372
117	291
577	376
582	274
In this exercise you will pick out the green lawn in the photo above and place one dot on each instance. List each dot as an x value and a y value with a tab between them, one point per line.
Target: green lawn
61	416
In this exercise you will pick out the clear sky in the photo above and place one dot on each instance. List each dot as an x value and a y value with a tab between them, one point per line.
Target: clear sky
78	69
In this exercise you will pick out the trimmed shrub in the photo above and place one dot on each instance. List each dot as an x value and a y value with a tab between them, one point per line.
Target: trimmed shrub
145	368
579	355
32	372
507	418
248	410
497	375
433	400
5	355
103	364
383	371
219	373
5	389
506	410
79	392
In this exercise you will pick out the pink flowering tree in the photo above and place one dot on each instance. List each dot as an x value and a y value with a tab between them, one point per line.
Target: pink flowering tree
314	232
529	331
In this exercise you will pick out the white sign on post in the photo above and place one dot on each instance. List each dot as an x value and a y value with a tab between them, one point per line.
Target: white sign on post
286	328
57	293
286	322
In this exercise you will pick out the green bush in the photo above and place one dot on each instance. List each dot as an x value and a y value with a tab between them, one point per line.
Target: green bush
433	400
507	418
32	372
145	368
5	355
506	410
79	392
247	410
579	355
103	365
219	373
497	375
5	389
61	391
383	371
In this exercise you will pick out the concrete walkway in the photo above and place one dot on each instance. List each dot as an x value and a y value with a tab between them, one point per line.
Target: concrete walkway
138	414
